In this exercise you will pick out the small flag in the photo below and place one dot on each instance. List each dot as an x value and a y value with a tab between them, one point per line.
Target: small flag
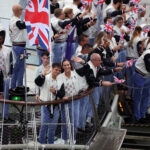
146	28
135	1
108	27
136	9
129	63
144	6
122	36
132	25
119	81
68	26
87	2
100	2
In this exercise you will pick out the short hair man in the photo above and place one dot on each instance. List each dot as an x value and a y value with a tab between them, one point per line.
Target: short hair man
17	34
48	92
45	62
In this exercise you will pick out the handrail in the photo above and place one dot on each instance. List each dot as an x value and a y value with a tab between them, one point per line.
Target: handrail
32	49
76	97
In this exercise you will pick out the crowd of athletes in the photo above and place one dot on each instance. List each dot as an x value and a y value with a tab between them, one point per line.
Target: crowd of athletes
105	37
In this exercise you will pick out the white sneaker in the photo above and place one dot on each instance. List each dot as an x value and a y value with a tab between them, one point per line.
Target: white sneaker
59	141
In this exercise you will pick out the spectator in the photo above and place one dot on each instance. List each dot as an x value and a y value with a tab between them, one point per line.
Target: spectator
54	5
48	92
58	27
17	31
113	9
45	62
5	72
71	109
141	83
83	39
74	5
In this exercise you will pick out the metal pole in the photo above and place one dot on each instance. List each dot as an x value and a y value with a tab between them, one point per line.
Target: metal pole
26	109
96	118
51	146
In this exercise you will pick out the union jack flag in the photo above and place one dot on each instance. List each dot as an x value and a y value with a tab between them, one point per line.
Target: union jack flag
129	63
135	1
67	27
119	81
122	36
146	29
37	23
132	25
135	9
108	27
144	6
100	2
86	2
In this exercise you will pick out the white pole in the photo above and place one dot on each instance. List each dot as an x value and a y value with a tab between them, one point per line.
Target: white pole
54	146
50	28
50	43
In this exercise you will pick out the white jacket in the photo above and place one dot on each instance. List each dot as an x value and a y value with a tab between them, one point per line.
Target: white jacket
16	35
6	53
45	94
75	81
132	51
140	65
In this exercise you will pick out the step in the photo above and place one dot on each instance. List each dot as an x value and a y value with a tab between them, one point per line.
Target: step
136	146
138	133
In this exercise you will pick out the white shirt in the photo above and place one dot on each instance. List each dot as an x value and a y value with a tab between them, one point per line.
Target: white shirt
117	30
78	50
93	68
69	87
109	9
140	64
45	94
54	22
73	83
113	44
2	61
141	21
91	31
16	35
69	30
132	51
39	71
5	54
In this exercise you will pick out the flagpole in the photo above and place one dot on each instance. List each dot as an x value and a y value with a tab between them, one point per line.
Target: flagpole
50	46
50	42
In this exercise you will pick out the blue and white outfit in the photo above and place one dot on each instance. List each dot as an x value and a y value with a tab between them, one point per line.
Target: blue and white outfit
96	93
49	114
5	67
70	110
59	47
141	84
18	38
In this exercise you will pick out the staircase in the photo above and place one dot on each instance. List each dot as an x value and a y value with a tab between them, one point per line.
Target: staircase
137	137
